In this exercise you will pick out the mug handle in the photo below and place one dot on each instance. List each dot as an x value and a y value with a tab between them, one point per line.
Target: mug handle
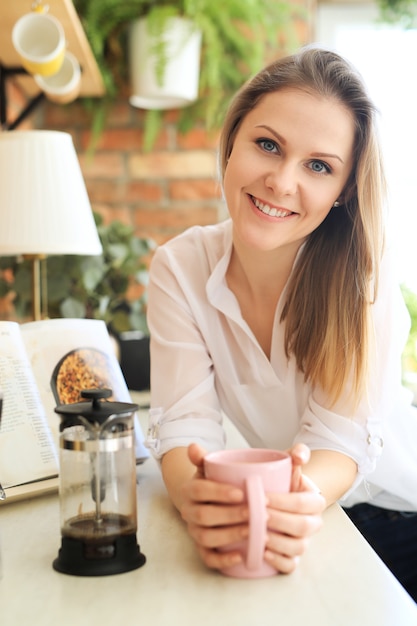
257	522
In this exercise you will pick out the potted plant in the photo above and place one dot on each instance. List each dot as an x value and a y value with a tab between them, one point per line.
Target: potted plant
164	62
236	38
110	287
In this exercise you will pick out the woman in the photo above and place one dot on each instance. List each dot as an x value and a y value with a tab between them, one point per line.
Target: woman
286	317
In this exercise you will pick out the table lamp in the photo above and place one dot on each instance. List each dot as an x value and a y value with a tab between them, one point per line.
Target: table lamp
44	206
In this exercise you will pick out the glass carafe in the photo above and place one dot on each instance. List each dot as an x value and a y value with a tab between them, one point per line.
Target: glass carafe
97	487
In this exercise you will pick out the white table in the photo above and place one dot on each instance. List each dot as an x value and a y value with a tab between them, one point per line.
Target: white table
339	582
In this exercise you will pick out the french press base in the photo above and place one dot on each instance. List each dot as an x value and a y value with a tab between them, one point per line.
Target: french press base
99	559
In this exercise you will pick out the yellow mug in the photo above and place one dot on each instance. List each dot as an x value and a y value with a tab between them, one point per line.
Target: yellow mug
64	86
39	40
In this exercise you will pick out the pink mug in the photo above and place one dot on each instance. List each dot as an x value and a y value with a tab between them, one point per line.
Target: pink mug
257	471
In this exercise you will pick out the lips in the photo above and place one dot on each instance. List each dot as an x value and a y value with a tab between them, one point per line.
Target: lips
269	210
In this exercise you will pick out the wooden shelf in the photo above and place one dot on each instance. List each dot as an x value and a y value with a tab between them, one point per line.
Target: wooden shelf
77	43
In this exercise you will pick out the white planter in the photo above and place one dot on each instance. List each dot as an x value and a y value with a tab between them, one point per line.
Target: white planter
179	86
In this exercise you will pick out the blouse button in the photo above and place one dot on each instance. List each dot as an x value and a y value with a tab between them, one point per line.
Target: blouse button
376	444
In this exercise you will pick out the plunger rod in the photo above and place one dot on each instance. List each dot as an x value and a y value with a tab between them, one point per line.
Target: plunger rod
98	496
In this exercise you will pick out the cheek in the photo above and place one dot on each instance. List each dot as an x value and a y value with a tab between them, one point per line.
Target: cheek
239	172
317	207
230	181
321	199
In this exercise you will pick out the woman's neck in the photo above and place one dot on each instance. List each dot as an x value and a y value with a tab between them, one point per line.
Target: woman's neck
263	274
257	279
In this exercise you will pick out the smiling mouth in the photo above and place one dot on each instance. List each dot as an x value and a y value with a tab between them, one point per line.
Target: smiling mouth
268	210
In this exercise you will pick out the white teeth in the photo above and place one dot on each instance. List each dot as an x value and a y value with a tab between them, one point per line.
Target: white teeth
265	208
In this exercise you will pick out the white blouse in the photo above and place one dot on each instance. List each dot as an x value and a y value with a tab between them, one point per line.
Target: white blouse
206	362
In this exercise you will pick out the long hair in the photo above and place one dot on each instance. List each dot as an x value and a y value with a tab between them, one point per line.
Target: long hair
335	280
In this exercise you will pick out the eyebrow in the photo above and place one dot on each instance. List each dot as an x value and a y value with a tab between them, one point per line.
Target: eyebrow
283	141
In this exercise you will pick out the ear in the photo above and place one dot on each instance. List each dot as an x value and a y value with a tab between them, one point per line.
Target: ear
349	192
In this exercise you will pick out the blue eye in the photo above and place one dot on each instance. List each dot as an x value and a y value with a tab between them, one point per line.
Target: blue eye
268	145
319	167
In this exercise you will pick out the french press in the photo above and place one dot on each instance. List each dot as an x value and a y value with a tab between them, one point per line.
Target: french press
97	487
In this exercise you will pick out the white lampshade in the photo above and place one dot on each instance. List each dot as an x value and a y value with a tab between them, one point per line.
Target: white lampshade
44	206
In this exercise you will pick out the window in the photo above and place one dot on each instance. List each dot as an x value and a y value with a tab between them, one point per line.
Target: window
386	56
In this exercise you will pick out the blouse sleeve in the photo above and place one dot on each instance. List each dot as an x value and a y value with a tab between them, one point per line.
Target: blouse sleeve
185	407
361	436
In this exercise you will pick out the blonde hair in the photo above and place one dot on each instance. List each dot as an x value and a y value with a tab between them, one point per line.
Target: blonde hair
335	280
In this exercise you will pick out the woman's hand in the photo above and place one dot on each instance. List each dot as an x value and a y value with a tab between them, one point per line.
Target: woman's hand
293	517
216	515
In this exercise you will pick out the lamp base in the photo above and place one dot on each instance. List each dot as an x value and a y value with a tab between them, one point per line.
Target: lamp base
114	556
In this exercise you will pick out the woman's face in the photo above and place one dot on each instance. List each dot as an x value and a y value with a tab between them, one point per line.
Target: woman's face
291	158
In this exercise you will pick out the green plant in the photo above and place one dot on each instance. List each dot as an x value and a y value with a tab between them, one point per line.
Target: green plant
236	40
402	11
90	286
410	350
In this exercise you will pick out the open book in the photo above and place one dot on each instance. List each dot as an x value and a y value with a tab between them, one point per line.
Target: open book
41	365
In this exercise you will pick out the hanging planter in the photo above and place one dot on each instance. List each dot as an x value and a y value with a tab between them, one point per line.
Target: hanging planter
164	64
236	41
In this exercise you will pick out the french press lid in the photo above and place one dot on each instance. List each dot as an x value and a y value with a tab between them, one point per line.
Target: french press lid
96	411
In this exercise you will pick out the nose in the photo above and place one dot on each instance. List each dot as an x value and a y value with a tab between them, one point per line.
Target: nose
282	179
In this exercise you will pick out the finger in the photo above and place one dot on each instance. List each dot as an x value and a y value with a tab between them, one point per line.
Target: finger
294	525
300	454
296	478
218	537
307	484
219	560
196	455
209	515
203	490
284	564
284	545
303	502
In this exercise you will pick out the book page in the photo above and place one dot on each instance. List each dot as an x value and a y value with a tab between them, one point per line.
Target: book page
58	350
27	450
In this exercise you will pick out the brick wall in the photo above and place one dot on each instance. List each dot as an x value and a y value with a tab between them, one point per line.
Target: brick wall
160	192
16	103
